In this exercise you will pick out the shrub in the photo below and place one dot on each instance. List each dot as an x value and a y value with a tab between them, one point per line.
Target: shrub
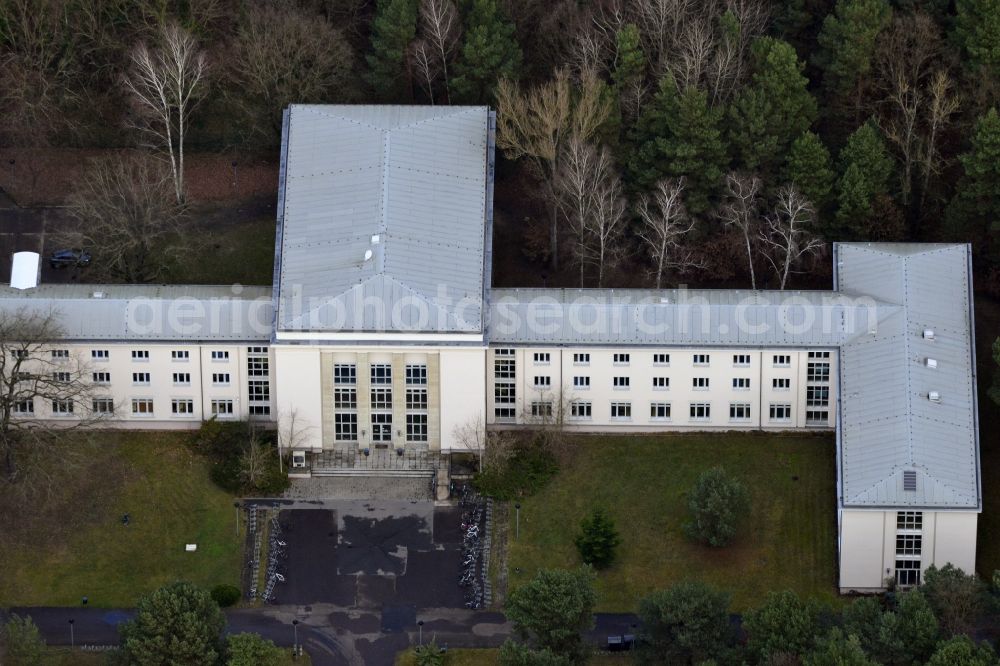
554	609
516	654
526	472
232	446
23	641
598	540
958	599
718	505
226	595
685	623
784	624
252	650
429	654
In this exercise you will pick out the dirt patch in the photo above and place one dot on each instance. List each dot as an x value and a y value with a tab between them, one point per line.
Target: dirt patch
46	176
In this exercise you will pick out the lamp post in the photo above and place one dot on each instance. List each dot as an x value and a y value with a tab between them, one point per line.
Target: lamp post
420	631
72	638
517	521
236	505
295	642
236	187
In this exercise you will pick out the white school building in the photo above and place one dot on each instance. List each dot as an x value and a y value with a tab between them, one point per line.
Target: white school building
382	335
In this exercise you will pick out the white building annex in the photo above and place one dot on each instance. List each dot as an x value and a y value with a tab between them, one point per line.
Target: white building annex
381	336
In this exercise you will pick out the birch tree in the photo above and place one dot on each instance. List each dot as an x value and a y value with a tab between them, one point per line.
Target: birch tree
575	198
740	210
165	83
538	123
664	225
607	224
785	235
440	28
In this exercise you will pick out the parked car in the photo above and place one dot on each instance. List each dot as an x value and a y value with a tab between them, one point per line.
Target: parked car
64	258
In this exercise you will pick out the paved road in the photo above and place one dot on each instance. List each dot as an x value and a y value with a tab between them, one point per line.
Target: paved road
333	636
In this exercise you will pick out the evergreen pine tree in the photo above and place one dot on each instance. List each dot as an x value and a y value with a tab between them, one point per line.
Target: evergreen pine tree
977	31
630	61
976	206
679	135
490	51
808	168
847	42
866	168
598	540
393	29
773	109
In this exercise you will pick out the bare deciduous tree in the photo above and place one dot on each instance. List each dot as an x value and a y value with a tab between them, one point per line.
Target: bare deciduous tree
425	66
126	213
665	224
254	459
493	448
536	124
165	86
943	104
741	209
441	29
607	225
785	236
34	377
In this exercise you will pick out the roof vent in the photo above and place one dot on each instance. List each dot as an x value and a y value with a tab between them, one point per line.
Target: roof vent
931	363
368	255
928	334
97	294
910	480
934	396
376	238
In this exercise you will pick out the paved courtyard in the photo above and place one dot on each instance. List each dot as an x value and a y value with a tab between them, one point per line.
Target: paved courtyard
396	556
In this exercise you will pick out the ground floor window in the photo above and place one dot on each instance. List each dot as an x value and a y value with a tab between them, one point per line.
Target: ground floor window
659	410
541	409
222	408
739	411
64	407
24	407
103	405
504	413
701	411
621	410
817	417
780	412
182	406
381	427
908	572
345	427
142	407
416	427
580	409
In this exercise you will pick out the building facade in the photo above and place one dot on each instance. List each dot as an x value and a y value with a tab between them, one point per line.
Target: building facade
382	331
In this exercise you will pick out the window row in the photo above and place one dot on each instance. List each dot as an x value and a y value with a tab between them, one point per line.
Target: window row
380	398
379	374
139	407
345	427
143	354
697	411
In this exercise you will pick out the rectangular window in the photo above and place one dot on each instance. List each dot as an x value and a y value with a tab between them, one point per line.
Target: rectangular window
909	520
22	376
621	382
20	354
817	396
99	354
258	366
416	375
741	360
259	390
580	409
621	359
345	373
908	544
102	405
416	398
504	394
381	427
222	408
381	398
739	411
345	398
220	355
661	359
780	412
504	390
581	359
701	359
61	377
700	383
541	409
659	410
741	383
140	354
503	368
60	353
543	357
819	354
817	417
23	407
220	379
817	372
182	378
140	378
781	383
782	360
621	410
182	406
543	381
180	355
416	427
142	407
661	383
345	427
701	411
62	407
102	377
581	382
381	373
907	572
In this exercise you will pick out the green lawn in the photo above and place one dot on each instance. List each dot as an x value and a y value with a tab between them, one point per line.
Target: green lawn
72	543
788	543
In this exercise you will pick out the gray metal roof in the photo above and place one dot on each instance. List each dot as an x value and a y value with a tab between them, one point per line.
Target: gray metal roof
127	313
692	318
888	423
415	177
